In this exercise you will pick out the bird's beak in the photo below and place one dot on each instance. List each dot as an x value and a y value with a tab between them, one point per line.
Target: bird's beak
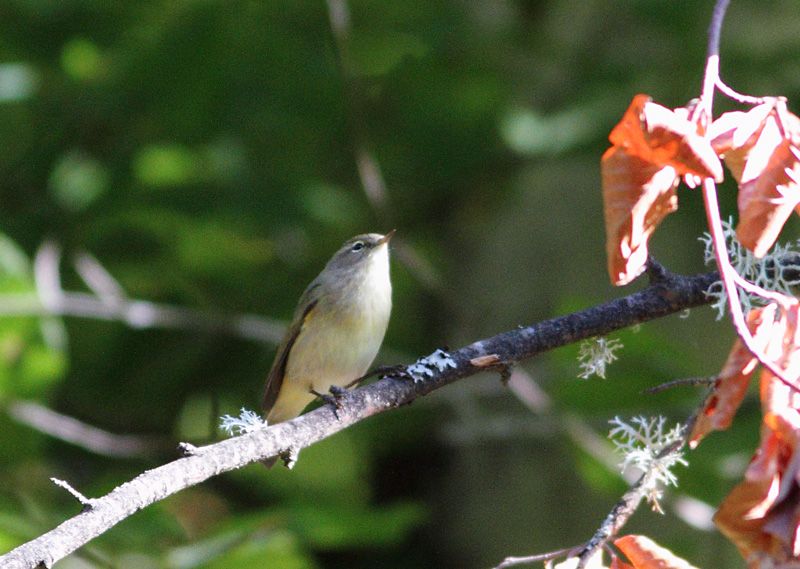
386	238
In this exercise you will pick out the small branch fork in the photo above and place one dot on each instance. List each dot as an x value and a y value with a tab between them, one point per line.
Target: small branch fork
619	515
731	280
672	294
86	503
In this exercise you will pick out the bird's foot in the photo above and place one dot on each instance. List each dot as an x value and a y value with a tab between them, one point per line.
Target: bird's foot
334	397
397	370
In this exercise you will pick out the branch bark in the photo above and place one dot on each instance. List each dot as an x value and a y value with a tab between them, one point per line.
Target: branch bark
667	294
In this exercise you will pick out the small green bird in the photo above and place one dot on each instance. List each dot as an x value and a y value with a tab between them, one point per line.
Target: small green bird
337	328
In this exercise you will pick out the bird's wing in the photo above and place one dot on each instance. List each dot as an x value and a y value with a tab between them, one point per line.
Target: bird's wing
275	378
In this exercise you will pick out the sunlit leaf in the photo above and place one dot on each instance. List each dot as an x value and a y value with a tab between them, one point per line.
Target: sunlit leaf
652	147
77	180
760	149
644	553
378	54
664	137
636	196
761	515
167	165
273	549
769	190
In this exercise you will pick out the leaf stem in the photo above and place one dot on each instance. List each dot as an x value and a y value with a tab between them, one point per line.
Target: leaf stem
729	278
715	27
731	93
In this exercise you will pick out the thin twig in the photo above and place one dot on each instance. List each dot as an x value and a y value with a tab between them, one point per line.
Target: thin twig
728	276
87	503
690	381
113	304
729	92
783	300
525	560
369	169
73	431
715	28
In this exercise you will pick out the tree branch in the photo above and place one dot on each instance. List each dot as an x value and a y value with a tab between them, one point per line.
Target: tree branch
109	302
93	439
671	294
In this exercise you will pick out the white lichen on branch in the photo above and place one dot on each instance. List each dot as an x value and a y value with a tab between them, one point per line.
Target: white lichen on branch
777	271
247	422
426	366
648	447
595	355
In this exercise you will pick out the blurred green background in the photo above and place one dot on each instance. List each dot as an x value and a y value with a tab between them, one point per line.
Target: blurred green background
204	155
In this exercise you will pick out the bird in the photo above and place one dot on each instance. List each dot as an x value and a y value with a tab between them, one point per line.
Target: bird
337	328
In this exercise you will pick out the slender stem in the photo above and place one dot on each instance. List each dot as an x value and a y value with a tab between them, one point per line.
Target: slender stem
691	381
706	106
712	58
731	93
715	27
729	276
727	272
772	295
525	560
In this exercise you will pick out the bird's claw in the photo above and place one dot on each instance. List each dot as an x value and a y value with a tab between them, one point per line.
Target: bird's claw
333	398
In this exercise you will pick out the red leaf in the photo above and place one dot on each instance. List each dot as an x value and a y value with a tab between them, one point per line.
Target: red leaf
636	196
761	515
664	137
644	553
617	563
652	147
783	343
769	190
760	149
733	135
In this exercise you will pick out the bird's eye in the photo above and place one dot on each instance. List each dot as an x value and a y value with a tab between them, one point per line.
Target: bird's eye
357	246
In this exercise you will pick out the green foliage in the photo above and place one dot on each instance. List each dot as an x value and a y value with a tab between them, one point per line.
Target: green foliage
32	358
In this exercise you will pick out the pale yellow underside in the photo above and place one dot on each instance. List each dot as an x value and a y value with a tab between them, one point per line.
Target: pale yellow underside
337	344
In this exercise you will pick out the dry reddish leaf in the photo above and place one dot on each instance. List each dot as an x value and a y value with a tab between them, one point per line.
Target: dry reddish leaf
741	516
731	386
664	137
644	553
762	514
729	391
783	343
652	147
734	134
636	197
618	563
769	192
760	148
